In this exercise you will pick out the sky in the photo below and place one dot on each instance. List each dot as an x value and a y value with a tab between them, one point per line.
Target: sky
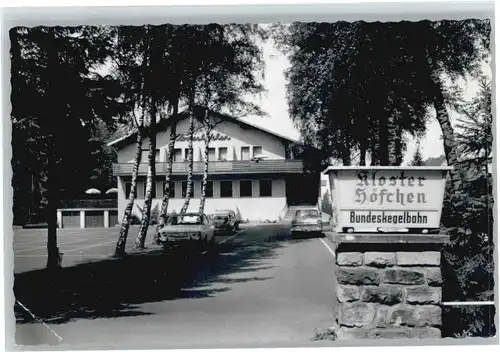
275	105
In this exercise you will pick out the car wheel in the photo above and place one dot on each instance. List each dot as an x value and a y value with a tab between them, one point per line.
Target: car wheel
211	244
203	244
166	247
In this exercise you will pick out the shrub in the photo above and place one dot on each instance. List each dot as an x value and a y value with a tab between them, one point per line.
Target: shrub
155	212
134	219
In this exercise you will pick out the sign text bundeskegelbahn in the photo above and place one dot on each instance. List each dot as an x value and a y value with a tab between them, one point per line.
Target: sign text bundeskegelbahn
370	217
399	197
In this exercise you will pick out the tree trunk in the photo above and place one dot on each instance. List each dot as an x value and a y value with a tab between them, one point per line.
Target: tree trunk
190	159
398	146
205	173
122	238
396	143
148	199
54	257
346	155
168	177
362	153
443	118
374	152
170	160
384	139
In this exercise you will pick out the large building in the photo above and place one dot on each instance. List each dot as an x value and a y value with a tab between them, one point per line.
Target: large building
253	171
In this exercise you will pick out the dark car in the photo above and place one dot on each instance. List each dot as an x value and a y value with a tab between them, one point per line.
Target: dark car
225	222
307	220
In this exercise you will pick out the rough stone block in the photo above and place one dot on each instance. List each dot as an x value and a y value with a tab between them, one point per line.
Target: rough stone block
427	315
423	295
434	277
425	333
382	294
350	259
403	277
401	315
390	333
356	314
380	320
345	333
380	259
348	293
358	276
418	258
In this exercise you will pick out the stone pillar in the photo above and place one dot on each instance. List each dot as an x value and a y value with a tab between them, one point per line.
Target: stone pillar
59	219
106	218
82	219
388	286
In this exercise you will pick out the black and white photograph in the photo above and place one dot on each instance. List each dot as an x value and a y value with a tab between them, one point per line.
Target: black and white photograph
232	184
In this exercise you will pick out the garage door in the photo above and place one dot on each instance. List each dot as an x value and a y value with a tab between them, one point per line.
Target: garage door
70	219
94	218
113	218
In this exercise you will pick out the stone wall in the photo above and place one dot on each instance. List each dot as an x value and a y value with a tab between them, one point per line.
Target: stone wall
388	291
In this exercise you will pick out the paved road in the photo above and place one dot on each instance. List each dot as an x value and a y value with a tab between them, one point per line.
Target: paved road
258	288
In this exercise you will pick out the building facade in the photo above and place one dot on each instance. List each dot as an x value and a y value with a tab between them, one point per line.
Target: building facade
252	171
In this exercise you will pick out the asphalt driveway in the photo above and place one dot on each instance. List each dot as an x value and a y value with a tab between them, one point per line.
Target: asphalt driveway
257	288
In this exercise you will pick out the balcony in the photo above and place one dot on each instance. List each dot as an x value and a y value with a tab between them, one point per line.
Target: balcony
217	167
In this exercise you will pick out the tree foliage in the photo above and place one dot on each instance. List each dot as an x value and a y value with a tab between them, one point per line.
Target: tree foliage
326	204
358	86
468	217
82	98
417	160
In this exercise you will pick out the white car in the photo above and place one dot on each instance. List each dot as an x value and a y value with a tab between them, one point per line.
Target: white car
306	220
193	228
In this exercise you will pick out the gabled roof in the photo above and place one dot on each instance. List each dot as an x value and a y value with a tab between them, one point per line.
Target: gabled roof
163	125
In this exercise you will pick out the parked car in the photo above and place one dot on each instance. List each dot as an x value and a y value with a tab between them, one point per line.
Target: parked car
225	221
192	228
306	220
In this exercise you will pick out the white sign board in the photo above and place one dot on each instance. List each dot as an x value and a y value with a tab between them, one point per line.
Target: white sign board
388	197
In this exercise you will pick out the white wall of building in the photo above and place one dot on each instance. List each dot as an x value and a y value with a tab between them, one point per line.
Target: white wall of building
271	146
255	208
252	209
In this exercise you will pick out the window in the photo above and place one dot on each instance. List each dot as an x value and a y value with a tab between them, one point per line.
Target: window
139	191
257	151
186	154
245	188
177	154
209	191
245	153
153	190
307	213
171	189
145	155
223	154
128	186
211	154
226	189
184	189
265	188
